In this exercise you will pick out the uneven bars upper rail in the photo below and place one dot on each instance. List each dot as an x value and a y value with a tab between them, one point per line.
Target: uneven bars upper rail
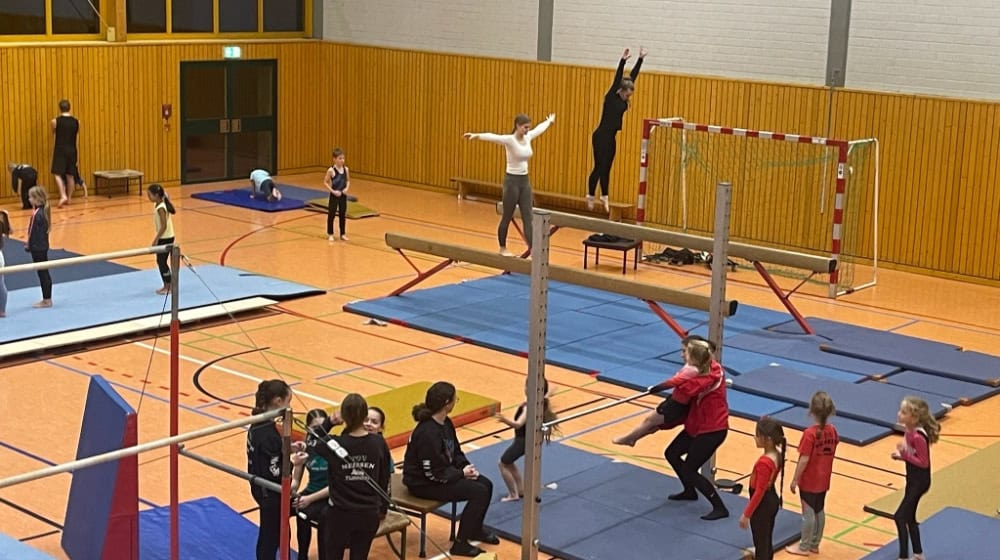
58	263
136	449
557	421
814	263
251	478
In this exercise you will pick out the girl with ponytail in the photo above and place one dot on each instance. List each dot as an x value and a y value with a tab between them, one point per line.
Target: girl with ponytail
264	458
508	466
762	509
162	210
921	430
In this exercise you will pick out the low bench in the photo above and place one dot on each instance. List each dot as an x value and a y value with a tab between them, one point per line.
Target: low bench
623	245
419	507
117	177
474	189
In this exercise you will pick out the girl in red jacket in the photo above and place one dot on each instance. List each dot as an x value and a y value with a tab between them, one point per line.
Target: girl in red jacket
762	509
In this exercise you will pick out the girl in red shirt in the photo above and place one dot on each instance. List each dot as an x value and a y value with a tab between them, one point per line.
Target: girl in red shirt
762	509
922	429
812	475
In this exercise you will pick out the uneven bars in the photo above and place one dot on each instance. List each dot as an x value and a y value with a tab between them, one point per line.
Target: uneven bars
59	263
549	425
136	449
238	473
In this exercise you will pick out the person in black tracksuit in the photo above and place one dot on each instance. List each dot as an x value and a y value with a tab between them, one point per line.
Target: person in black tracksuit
356	508
38	240
22	178
604	137
434	468
264	458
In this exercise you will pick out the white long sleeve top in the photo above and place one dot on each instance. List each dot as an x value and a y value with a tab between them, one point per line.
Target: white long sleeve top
518	151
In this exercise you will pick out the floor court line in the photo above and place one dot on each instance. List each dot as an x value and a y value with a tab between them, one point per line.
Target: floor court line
232	372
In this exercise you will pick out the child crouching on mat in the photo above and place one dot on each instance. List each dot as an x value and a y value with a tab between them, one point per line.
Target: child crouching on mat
697	353
263	186
375	424
817	449
508	469
922	429
762	509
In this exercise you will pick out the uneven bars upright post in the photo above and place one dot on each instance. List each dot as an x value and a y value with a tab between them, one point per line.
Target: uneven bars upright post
720	258
536	386
284	552
175	336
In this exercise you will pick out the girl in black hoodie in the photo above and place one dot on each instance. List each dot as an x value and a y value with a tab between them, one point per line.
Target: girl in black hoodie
435	468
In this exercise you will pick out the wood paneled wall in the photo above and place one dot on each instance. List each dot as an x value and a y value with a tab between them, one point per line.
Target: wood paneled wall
400	115
117	91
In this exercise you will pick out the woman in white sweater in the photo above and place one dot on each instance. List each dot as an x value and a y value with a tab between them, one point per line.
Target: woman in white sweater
516	186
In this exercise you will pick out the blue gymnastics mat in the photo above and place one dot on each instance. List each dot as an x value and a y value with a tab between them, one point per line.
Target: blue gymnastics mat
242	199
876	403
805	348
955	390
951	534
974	367
13	549
14	254
738	361
95	302
850	430
209	530
590	503
847	333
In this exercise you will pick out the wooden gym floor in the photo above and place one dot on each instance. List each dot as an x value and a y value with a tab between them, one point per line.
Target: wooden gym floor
327	353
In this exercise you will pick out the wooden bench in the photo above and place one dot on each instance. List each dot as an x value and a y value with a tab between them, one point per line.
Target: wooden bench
419	507
116	177
623	245
473	189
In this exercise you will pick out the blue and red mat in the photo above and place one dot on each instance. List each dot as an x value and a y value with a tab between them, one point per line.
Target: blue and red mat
592	506
951	534
618	339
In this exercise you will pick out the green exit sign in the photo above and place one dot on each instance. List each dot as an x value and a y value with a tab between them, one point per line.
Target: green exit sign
232	52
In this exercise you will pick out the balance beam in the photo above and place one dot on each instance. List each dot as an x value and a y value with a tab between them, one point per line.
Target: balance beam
755	254
641	290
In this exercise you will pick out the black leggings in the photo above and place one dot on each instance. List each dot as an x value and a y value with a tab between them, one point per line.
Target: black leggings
762	524
906	513
605	147
349	529
334	205
477	492
162	260
699	450
269	535
315	514
44	278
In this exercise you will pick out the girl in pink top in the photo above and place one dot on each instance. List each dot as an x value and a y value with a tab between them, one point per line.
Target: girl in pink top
921	430
697	355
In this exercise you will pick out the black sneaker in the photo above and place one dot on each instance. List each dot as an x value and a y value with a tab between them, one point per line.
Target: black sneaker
489	537
463	548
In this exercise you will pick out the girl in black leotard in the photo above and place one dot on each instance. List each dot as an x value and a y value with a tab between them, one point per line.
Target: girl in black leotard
65	127
604	137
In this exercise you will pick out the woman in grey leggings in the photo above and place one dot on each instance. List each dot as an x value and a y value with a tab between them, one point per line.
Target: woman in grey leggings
516	186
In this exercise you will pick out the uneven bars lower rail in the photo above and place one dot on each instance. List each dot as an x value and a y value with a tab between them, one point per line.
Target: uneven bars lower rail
252	479
135	450
557	421
59	263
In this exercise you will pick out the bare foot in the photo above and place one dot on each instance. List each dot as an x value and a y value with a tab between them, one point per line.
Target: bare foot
510	498
2	314
62	202
623	441
163	291
43	303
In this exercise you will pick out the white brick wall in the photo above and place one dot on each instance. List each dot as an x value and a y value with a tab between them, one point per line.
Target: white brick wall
942	47
776	40
507	29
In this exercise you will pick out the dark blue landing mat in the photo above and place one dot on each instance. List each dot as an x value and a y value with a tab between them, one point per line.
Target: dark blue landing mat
591	507
805	348
209	530
848	334
954	390
242	199
850	430
876	403
951	534
738	361
15	254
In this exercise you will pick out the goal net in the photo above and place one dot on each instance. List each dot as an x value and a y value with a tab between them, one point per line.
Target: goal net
798	193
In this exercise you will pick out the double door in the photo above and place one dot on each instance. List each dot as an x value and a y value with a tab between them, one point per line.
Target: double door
228	119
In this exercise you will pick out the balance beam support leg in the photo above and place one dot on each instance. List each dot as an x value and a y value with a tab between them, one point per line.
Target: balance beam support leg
421	276
662	314
785	300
